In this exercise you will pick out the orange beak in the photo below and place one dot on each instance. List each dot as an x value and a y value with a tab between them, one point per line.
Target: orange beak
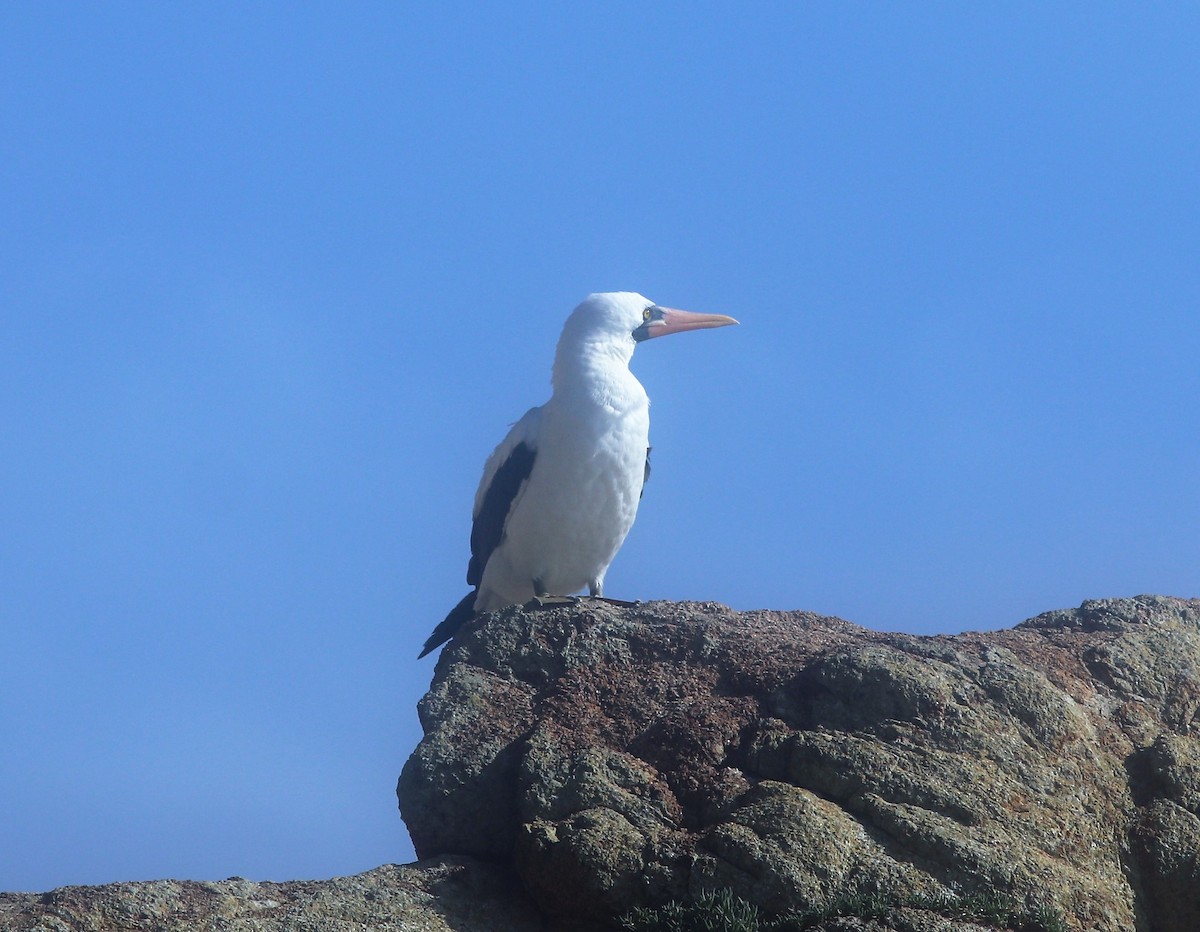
669	320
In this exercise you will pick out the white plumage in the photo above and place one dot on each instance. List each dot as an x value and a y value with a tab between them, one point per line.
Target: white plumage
561	491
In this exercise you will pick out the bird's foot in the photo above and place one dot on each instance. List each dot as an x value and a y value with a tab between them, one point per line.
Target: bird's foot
552	601
549	601
621	602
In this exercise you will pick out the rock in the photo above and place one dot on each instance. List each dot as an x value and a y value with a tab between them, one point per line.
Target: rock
620	757
448	895
581	761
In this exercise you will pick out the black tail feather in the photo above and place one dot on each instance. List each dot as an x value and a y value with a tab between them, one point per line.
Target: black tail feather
463	612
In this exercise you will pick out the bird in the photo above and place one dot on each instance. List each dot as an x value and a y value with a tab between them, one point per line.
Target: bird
560	493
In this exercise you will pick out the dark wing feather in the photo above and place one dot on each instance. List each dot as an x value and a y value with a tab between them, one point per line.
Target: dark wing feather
646	474
488	529
487	532
463	612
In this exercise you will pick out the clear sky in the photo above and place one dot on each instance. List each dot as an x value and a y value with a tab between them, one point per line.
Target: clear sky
274	278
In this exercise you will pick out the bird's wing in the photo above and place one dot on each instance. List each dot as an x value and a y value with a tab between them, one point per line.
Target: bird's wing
645	473
504	475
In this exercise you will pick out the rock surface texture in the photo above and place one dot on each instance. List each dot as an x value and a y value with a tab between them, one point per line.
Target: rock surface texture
623	757
450	895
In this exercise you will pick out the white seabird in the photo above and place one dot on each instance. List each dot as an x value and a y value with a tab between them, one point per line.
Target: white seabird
560	492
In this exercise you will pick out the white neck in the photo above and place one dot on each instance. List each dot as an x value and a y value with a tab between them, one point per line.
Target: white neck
596	371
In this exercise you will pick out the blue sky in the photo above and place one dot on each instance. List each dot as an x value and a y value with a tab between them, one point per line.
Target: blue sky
275	278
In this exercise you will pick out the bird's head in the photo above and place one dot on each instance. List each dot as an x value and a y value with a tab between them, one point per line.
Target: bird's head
599	337
627	318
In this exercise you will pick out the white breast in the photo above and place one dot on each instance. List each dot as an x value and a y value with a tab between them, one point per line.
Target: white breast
580	500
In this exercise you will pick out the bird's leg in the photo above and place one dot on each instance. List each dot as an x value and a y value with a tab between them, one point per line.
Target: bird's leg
596	592
542	599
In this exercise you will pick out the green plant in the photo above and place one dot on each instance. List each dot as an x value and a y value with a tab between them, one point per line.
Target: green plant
857	903
723	911
720	911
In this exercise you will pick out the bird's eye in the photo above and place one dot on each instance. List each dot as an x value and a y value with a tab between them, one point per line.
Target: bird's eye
646	314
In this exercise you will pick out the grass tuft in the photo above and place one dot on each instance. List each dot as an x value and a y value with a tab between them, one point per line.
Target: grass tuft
722	911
